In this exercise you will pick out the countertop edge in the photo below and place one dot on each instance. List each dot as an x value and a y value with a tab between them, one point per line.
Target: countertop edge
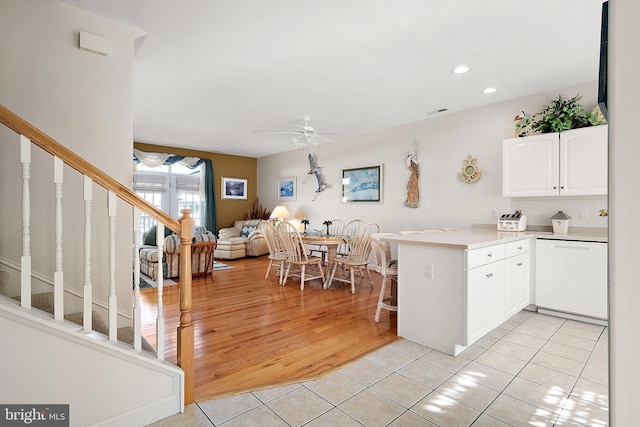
482	236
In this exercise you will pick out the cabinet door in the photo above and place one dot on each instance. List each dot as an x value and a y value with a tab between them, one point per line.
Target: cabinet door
485	300
497	295
516	283
530	166
477	300
583	161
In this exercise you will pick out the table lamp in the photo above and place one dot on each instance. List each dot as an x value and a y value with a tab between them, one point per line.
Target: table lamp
280	212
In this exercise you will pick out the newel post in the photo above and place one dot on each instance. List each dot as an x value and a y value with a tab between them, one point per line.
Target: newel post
185	330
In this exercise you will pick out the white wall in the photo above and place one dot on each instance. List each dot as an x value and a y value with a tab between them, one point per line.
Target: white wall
99	382
84	101
624	251
445	201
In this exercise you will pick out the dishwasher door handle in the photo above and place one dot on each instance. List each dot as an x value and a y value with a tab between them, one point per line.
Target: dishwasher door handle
583	248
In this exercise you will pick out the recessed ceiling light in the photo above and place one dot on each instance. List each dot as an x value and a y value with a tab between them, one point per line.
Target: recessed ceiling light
489	90
460	69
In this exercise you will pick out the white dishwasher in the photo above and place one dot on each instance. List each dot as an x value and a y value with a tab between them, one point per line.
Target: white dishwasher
571	277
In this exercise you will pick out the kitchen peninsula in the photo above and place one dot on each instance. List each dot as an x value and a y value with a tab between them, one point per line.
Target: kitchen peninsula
455	287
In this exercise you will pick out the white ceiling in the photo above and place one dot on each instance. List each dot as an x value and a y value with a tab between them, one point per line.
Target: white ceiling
215	75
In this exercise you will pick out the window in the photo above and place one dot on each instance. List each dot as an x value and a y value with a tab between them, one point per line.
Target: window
170	188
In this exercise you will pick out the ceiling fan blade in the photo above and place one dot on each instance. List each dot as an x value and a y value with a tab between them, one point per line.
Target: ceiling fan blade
287	133
335	132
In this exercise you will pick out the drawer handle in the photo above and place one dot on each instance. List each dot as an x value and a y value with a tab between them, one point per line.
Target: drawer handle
519	264
489	255
489	276
519	248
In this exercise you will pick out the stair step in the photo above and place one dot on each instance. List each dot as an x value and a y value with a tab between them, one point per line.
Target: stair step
44	301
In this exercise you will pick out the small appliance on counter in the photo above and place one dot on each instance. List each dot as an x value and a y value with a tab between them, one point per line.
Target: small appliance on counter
560	222
512	222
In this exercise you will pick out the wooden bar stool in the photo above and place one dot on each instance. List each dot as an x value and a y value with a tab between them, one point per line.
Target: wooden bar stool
389	269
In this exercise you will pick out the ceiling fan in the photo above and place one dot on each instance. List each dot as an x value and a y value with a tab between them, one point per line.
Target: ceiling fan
307	135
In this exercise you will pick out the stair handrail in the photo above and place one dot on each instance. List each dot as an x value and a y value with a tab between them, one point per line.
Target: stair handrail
50	145
183	228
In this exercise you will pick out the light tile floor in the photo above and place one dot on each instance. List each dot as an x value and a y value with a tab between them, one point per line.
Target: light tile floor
534	369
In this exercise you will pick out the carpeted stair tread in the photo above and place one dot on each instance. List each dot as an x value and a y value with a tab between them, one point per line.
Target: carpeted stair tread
44	301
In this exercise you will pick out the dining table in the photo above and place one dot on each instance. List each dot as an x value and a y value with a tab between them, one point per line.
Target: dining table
332	242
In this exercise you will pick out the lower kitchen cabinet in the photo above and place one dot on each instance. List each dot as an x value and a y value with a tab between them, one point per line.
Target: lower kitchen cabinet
486	300
497	289
517	283
448	298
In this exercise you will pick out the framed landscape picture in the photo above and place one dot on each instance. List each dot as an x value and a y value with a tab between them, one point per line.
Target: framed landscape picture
234	188
362	184
287	188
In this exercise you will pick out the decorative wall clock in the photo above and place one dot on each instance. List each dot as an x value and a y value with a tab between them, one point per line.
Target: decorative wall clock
470	171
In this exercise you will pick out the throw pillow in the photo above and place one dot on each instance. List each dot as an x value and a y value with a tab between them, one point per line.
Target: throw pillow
150	236
247	229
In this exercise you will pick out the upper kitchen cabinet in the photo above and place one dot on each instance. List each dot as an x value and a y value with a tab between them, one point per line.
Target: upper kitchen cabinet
570	163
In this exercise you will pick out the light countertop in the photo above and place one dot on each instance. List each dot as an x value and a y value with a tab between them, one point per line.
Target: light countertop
481	236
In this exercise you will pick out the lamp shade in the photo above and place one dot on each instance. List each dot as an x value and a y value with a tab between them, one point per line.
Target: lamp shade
280	212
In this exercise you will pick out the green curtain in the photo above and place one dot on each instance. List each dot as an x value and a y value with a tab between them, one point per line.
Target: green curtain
210	218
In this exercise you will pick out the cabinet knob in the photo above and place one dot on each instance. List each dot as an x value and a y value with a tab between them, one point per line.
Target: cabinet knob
489	276
519	264
489	255
519	248
555	188
562	188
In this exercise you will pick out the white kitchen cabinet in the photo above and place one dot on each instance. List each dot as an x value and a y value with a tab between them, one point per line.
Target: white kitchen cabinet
450	296
517	283
486	300
569	163
583	161
497	285
530	166
571	277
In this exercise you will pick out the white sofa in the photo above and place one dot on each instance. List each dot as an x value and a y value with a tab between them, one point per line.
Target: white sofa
243	239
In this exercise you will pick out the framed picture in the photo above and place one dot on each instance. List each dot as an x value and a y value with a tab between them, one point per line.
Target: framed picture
287	188
362	184
234	188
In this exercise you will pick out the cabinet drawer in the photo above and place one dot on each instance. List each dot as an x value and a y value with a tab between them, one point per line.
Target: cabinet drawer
482	256
516	248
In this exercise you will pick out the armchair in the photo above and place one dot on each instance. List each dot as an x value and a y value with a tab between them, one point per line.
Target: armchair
200	256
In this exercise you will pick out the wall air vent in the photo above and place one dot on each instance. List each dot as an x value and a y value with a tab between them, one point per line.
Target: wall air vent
94	43
441	110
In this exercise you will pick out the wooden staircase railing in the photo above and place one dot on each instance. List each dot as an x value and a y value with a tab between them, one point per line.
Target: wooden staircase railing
29	134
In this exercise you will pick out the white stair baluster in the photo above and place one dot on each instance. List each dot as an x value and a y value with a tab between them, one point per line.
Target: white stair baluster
25	260
137	310
87	317
58	276
160	278
113	298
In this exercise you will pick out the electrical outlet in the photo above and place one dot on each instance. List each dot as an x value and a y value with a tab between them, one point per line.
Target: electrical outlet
583	214
494	213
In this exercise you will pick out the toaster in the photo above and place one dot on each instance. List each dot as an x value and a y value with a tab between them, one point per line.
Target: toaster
512	222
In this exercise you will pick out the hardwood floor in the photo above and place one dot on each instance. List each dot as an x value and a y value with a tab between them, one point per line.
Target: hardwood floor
252	333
